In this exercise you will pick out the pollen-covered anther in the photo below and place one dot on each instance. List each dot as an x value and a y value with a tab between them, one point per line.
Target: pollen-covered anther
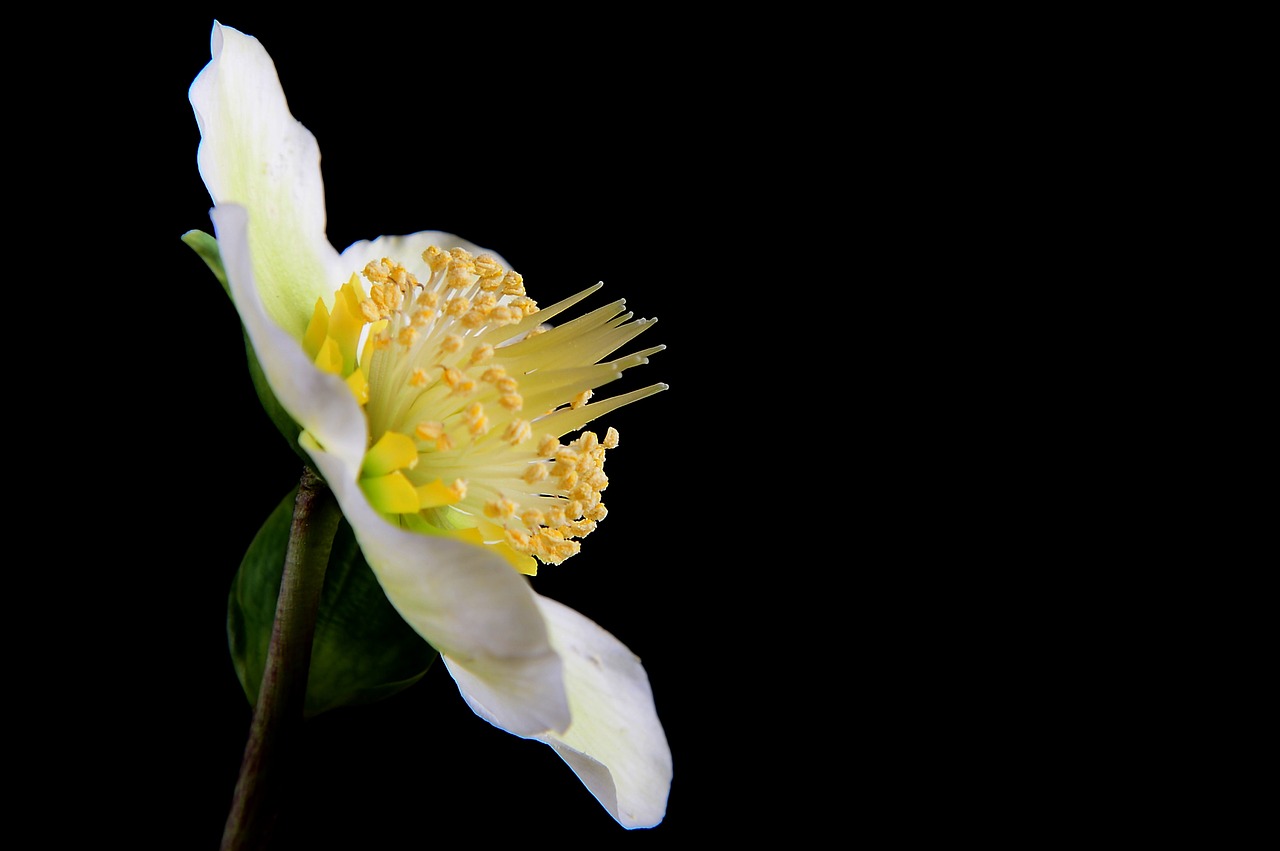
378	272
370	311
500	508
486	265
552	548
518	431
535	473
482	354
580	400
420	378
505	383
525	305
555	516
422	317
388	297
429	430
520	541
598	512
457	306
453	377
477	421
451	343
512	401
548	446
407	336
568	479
404	279
459	488
610	439
435	258
532	517
461	274
473	319
513	284
503	315
582	528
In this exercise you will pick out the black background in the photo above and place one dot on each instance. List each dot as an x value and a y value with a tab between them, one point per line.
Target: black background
577	159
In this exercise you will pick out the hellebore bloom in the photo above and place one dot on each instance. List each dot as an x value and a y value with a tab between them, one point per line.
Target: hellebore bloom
431	397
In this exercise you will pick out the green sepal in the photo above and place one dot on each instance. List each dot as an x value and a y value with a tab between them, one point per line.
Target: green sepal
207	247
363	651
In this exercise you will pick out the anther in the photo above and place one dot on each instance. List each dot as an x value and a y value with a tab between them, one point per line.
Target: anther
518	431
535	473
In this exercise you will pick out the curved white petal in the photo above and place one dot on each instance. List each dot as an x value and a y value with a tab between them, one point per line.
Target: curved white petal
615	743
407	250
319	402
255	154
465	600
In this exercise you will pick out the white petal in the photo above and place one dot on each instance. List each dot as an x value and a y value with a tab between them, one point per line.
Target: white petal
615	743
321	403
407	250
255	154
465	600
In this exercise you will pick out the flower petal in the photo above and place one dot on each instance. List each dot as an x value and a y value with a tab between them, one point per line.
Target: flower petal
318	401
615	743
462	598
253	152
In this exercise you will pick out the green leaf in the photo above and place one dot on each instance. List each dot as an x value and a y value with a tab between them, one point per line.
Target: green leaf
363	651
207	247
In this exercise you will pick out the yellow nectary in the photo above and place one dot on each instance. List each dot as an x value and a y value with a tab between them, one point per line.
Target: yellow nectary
467	391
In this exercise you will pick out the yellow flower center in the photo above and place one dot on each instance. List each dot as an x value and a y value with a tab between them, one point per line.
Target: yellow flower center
467	392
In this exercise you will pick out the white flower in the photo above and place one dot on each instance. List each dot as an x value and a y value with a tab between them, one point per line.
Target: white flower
431	398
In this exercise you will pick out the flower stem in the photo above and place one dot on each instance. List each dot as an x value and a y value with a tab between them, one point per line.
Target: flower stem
278	714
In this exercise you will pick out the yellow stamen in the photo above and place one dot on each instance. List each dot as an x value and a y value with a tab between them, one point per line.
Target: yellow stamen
473	321
518	431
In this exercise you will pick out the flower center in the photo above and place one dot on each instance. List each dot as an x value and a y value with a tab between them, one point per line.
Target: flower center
467	393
